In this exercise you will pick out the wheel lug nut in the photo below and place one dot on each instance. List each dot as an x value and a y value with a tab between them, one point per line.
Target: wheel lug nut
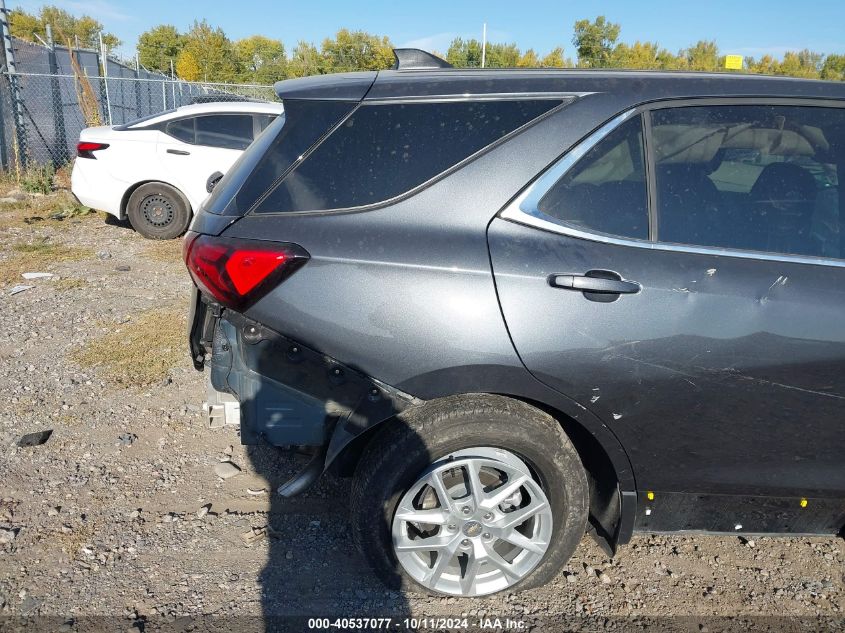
465	543
488	516
487	536
466	510
452	528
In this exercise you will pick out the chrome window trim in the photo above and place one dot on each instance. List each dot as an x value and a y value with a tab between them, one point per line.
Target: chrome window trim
524	208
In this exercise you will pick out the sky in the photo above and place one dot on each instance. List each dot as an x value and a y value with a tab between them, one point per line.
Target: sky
741	27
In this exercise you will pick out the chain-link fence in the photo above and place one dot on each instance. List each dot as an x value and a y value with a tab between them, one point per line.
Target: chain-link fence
50	99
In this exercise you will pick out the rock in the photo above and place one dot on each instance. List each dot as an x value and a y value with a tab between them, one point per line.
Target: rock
103	255
571	578
7	536
253	536
29	605
203	510
605	578
126	439
226	470
123	268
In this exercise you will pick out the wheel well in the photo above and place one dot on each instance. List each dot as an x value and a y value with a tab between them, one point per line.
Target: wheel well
128	194
605	494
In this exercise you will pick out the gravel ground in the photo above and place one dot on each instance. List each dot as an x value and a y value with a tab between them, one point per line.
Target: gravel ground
121	512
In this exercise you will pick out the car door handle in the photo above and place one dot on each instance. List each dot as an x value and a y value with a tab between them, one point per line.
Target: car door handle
598	281
178	152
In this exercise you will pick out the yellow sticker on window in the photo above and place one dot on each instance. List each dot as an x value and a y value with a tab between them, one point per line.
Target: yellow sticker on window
733	62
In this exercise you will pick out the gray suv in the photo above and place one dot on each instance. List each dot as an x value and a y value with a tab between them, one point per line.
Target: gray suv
518	305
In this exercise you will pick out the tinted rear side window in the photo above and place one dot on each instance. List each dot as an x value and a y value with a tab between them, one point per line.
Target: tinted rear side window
227	131
383	151
182	129
751	177
606	190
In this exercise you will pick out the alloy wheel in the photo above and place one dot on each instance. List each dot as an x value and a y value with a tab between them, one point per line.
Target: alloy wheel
474	523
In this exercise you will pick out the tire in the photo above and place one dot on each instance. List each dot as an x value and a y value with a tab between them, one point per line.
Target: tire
445	432
158	211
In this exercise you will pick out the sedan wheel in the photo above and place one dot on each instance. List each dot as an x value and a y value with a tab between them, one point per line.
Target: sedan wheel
158	211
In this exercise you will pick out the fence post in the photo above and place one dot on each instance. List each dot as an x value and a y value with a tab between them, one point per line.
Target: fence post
138	113
63	153
105	74
14	86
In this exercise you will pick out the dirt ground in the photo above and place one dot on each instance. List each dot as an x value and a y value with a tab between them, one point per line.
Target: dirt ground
120	513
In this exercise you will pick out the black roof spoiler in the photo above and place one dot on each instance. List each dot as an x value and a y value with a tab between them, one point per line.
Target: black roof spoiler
416	59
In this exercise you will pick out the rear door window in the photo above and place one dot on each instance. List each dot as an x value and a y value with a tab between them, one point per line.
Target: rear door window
606	189
752	177
181	129
227	131
383	151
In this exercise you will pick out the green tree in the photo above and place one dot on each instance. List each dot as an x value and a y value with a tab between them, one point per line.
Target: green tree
766	65
261	59
594	41
804	63
65	27
305	60
212	51
639	55
501	55
704	55
464	53
158	46
528	59
555	59
834	68
356	50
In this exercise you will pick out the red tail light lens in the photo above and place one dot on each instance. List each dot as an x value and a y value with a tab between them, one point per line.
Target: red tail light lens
238	272
85	149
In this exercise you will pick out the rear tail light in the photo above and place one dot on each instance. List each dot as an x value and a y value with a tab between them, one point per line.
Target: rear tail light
237	272
86	149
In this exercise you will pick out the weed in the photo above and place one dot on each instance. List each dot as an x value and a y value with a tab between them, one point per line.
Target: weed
38	178
163	250
69	283
142	351
39	256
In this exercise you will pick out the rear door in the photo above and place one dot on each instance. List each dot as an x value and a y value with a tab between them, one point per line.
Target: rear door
681	274
195	147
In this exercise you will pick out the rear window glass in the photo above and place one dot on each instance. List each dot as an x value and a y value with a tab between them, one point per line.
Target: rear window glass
267	160
383	151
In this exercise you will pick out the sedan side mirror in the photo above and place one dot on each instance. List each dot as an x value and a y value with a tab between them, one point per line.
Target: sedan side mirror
212	181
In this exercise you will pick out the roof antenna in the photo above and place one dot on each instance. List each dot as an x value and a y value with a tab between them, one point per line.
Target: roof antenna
416	59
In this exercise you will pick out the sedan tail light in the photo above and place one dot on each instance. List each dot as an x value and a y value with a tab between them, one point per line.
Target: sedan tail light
86	149
237	272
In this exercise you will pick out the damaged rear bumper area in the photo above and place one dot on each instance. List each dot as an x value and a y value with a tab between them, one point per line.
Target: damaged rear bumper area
288	394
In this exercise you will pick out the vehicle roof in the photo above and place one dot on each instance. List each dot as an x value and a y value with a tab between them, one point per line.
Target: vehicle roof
409	84
214	107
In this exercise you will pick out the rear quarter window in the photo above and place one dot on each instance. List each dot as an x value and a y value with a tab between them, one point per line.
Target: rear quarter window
383	151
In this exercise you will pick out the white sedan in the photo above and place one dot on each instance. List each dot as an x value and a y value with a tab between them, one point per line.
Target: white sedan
155	171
